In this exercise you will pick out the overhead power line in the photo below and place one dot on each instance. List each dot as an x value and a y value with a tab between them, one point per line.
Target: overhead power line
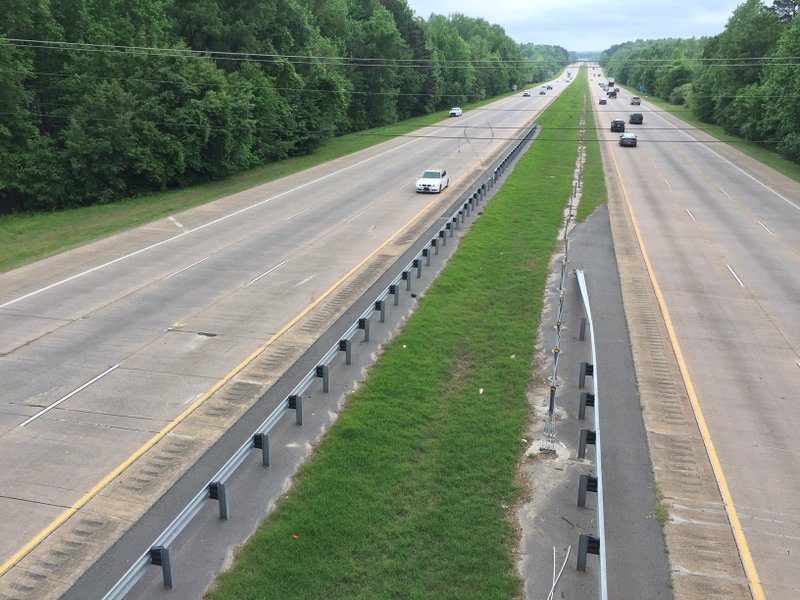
261	57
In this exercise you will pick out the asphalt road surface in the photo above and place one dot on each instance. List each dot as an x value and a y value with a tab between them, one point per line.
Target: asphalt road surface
107	347
722	234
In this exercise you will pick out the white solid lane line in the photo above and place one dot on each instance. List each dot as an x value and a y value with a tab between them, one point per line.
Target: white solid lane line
690	214
264	274
735	276
67	397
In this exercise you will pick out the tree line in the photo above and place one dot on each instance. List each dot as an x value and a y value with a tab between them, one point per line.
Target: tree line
746	79
109	99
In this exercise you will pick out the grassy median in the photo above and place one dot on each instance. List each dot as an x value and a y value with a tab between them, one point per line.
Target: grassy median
408	495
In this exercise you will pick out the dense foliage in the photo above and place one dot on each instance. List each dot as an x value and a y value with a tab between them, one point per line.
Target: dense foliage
545	61
122	97
746	79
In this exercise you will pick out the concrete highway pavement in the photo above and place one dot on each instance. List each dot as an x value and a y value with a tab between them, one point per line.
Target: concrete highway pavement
106	347
722	234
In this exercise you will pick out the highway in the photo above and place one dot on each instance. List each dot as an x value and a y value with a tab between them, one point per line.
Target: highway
722	237
108	348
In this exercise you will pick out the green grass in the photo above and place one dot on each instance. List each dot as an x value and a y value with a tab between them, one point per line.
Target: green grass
764	155
660	510
405	496
25	238
594	191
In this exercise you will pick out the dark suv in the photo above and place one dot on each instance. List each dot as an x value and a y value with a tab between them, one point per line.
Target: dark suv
636	119
617	125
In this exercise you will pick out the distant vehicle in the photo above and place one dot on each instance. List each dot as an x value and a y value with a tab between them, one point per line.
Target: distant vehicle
636	100
617	125
542	92
636	119
526	93
628	139
611	82
456	112
549	87
433	180
612	94
603	101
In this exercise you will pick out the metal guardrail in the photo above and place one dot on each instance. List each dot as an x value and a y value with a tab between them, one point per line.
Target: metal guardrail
587	543
158	552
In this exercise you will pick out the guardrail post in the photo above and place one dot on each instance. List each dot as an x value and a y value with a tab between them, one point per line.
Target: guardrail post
324	372
449	228
261	442
417	264
586	370
380	306
442	237
461	214
454	221
435	246
587	544
587	399
346	346
588	436
363	323
295	403
394	290
406	276
426	252
159	556
219	491
588	483
582	335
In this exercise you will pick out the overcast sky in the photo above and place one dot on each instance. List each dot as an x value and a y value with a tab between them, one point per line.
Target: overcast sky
582	25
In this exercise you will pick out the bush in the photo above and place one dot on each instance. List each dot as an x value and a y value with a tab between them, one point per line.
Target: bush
681	94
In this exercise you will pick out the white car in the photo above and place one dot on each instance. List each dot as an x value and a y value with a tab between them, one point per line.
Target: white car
456	112
526	93
433	180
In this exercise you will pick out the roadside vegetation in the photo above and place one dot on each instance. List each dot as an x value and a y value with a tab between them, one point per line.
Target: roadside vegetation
594	192
408	495
27	237
743	83
103	102
767	156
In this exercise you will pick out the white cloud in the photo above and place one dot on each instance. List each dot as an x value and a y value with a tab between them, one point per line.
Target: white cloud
589	24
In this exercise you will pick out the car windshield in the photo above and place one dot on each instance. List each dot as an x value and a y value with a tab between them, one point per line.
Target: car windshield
431	175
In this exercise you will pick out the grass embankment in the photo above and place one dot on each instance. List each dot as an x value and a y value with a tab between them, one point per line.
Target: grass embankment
26	238
764	155
407	495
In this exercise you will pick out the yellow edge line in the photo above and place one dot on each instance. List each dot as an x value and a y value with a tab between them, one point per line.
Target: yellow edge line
20	554
738	533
